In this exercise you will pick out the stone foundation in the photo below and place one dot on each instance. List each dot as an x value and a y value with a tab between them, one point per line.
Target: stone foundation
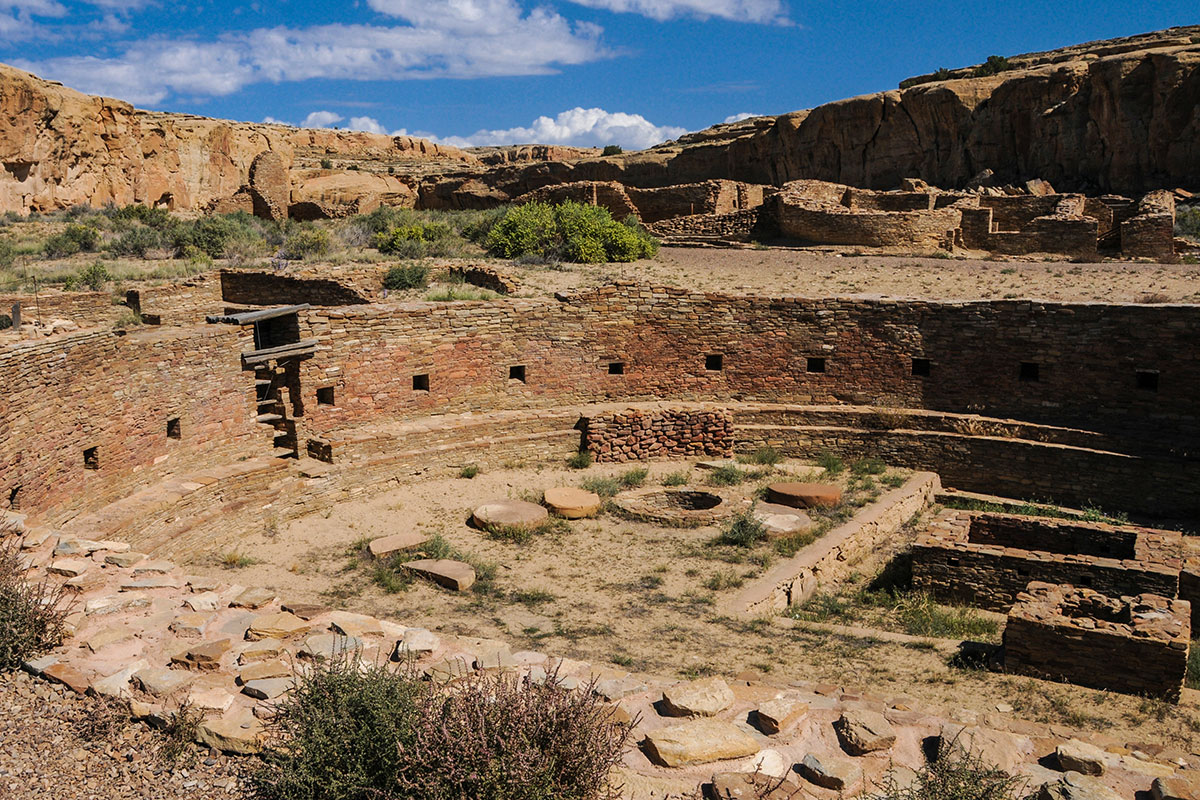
635	434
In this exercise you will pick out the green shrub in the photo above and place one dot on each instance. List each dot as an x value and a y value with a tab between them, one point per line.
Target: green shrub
868	466
993	66
679	478
156	217
401	239
469	471
75	238
32	614
326	163
764	456
1187	223
581	460
135	242
92	277
381	733
216	235
571	232
743	531
406	276
633	478
8	253
605	487
612	150
955	774
831	463
727	475
919	615
5	322
305	241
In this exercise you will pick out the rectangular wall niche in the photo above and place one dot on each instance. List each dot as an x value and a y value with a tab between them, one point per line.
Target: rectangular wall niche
325	396
174	430
421	383
517	373
714	362
920	367
1147	380
616	368
1030	372
815	364
91	458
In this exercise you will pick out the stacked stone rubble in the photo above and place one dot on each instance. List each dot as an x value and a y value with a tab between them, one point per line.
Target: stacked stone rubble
635	435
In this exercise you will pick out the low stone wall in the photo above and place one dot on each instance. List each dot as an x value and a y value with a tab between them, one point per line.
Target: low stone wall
258	288
87	309
987	560
836	224
715	197
485	277
838	553
637	434
1136	645
1151	234
739	226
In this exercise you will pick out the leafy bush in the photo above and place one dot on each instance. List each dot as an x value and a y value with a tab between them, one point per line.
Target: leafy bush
75	238
633	478
93	277
136	242
831	463
1187	223
728	475
605	487
612	150
305	241
679	478
381	733
5	322
743	531
156	217
7	253
955	774
31	614
764	456
581	460
568	232
868	466
406	276
326	163
399	240
993	66
208	235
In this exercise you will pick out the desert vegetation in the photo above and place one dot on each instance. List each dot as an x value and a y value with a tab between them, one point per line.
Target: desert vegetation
32	613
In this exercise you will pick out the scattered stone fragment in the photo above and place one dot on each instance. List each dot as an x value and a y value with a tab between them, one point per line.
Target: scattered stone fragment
706	697
263	670
769	762
260	651
831	772
751	786
780	520
572	503
804	495
36	666
496	661
275	626
698	741
388	546
211	699
254	598
125	560
199	584
268	688
149	583
110	635
92	579
329	645
207	656
161	682
153	568
68	676
69	567
1074	786
780	714
354	625
417	641
510	514
190	626
239	732
613	689
205	601
114	603
305	611
1081	757
862	732
1005	750
1176	787
117	684
451	574
448	669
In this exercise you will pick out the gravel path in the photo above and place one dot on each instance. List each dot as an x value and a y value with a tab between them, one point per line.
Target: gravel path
45	751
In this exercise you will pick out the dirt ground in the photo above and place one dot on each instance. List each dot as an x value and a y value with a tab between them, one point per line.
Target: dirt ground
814	272
645	598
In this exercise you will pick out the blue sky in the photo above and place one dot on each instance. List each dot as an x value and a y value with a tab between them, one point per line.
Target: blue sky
586	72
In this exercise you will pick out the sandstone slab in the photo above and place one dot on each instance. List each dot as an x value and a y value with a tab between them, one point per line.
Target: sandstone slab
161	682
862	732
1081	757
510	514
698	742
354	625
69	567
388	546
263	670
238	733
454	575
571	503
275	626
752	786
262	650
329	645
268	688
780	520
1074	786
804	495
126	560
68	676
1176	787
831	772
417	641
305	611
254	598
706	697
780	714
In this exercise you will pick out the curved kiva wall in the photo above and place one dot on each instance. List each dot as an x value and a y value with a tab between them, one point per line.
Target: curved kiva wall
1123	446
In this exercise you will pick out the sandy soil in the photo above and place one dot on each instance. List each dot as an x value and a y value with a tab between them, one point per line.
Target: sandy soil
822	273
644	598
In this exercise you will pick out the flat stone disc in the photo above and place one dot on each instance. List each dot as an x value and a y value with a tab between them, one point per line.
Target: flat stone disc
572	503
510	514
804	495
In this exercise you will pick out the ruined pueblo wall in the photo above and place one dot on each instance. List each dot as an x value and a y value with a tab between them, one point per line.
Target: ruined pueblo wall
116	393
634	435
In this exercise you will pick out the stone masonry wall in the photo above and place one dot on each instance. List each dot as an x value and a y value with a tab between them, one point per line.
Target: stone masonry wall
634	434
1137	645
739	226
949	562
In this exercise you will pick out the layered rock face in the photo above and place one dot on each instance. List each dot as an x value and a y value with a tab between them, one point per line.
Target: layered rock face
59	148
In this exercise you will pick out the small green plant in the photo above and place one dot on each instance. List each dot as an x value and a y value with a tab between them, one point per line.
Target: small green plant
128	319
532	597
32	614
406	276
1192	680
176	744
454	294
893	480
5	322
868	466
728	475
679	478
744	530
830	463
234	559
612	150
326	163
305	241
391	577
523	534
764	456
580	460
633	478
94	277
605	487
723	579
469	471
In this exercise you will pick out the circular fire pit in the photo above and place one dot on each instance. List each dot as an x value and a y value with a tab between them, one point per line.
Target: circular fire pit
684	506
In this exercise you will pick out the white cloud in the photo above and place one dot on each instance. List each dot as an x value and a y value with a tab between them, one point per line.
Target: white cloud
443	38
578	127
738	117
273	121
321	119
368	124
760	11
